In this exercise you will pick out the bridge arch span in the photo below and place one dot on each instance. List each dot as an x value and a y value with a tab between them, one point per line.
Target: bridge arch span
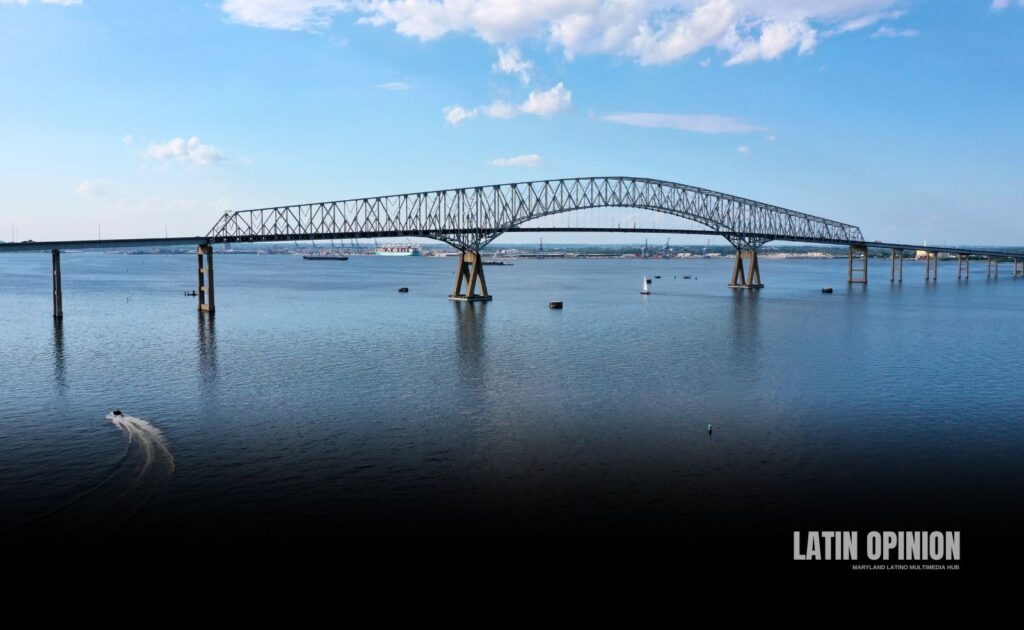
470	218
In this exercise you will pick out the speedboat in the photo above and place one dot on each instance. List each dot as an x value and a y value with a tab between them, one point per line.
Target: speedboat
117	412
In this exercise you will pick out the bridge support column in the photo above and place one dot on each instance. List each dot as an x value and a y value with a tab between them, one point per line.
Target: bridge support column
897	255
58	296
857	274
1018	267
471	269
963	266
749	276
205	290
993	266
931	266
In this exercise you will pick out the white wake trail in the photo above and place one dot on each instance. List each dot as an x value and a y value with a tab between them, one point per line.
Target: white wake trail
150	441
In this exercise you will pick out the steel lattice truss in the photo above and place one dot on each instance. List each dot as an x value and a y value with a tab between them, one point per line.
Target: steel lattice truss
469	218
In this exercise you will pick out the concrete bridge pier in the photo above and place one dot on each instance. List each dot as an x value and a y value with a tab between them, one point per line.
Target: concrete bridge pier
205	289
931	266
857	265
746	273
1018	267
897	255
58	296
471	270
993	266
962	270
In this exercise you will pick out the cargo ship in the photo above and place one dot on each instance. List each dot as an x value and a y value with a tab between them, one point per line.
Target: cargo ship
324	257
397	250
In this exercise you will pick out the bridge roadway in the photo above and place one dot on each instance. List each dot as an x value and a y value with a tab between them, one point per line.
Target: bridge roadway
139	243
470	218
742	278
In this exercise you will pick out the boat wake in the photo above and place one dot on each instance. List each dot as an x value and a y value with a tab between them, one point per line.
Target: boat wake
153	451
142	470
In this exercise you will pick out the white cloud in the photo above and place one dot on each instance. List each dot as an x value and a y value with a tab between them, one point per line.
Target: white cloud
510	61
191	150
455	114
698	123
771	138
127	139
743	149
863	21
649	31
91	187
999	5
885	31
776	38
394	86
545	104
548	103
531	160
289	15
704	63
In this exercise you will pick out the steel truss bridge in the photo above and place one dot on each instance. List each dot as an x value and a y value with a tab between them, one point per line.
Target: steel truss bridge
470	218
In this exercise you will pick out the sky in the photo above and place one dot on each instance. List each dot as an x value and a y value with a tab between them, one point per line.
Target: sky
136	119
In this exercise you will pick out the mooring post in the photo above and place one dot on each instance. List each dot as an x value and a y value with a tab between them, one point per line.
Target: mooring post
857	275
58	297
746	272
471	270
205	291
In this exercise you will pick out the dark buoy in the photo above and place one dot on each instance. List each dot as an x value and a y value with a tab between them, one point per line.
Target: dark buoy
403	290
556	304
827	290
117	412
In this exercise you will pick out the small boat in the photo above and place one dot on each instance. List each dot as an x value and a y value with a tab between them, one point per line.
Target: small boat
686	277
657	277
117	412
555	304
646	290
403	289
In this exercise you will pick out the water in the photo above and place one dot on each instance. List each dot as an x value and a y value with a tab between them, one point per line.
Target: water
322	412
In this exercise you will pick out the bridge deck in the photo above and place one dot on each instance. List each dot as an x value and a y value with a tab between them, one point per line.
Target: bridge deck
134	243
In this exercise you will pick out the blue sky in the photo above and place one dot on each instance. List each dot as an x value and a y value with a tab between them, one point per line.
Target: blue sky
901	117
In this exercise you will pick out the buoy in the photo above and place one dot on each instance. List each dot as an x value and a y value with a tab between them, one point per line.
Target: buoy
403	290
827	290
645	290
555	304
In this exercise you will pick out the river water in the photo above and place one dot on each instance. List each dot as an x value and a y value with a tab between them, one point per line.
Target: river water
322	414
